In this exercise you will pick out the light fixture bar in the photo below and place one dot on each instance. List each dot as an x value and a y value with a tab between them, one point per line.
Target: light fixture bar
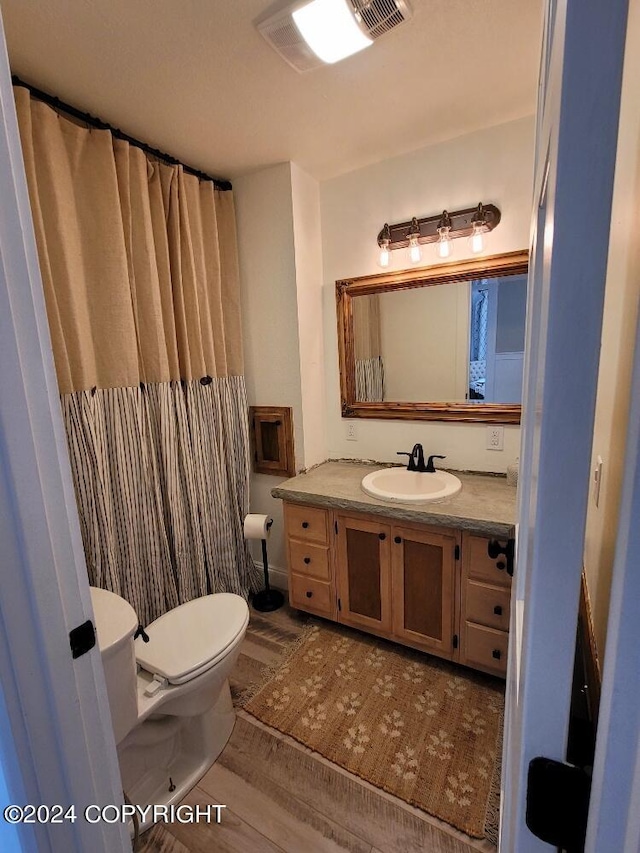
461	226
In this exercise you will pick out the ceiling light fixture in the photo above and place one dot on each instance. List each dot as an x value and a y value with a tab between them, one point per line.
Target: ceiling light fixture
308	33
473	222
330	29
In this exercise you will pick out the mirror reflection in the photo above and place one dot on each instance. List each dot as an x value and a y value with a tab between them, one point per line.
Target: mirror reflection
459	341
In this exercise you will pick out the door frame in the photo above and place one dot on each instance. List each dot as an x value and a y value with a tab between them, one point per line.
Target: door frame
573	187
58	747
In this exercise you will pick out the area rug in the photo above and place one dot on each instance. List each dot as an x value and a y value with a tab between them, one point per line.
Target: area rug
417	727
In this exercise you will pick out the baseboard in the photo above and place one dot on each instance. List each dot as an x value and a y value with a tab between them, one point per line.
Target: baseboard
278	578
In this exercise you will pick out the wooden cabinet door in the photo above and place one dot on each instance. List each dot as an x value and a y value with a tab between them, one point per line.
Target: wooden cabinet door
364	573
423	570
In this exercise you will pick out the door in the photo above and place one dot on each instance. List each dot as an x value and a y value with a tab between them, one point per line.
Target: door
364	573
56	741
423	570
580	86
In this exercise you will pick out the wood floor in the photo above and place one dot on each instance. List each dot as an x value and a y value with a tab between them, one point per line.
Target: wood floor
282	797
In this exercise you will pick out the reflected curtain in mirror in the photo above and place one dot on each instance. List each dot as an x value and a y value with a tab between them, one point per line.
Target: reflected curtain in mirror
369	363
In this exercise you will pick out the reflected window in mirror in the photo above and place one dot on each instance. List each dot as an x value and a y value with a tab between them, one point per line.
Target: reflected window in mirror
443	343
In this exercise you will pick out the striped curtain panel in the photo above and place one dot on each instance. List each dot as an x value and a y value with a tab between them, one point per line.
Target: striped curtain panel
370	380
139	267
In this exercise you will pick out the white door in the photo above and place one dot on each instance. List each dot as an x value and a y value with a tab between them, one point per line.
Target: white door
56	742
577	124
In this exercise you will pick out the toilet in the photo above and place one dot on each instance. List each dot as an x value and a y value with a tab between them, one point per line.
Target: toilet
170	702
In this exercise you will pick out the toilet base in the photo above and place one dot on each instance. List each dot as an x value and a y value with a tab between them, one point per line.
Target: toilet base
163	757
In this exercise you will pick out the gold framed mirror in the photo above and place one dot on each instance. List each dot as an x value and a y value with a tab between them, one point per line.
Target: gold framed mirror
441	343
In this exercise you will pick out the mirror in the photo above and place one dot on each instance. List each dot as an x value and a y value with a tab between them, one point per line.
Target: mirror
443	343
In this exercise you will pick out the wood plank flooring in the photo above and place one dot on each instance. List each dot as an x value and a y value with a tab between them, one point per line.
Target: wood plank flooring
281	796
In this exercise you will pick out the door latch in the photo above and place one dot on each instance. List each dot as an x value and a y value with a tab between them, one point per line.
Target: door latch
82	639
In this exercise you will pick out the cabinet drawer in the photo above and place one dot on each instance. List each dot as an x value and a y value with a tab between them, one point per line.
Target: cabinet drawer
308	523
310	594
487	605
310	560
486	648
480	565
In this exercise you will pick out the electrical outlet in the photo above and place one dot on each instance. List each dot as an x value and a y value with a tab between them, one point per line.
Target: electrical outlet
351	431
495	438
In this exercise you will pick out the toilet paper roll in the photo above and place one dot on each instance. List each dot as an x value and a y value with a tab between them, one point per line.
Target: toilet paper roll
257	526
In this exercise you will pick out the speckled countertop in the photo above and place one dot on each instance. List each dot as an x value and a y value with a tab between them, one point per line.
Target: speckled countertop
485	504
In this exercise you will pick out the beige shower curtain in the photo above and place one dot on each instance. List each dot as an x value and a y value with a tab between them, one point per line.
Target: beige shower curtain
140	272
368	351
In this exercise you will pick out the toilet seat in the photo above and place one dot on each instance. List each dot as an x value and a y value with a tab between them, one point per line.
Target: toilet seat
191	638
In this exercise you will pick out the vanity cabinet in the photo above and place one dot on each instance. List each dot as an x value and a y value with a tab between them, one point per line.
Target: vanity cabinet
432	588
363	572
423	568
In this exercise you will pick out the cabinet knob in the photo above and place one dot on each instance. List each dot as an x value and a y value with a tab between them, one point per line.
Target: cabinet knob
305	524
307	560
498	610
310	594
382	535
496	653
397	540
501	565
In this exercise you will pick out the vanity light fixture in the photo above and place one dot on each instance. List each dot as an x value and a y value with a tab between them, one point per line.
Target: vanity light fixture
385	251
472	222
476	241
413	235
444	236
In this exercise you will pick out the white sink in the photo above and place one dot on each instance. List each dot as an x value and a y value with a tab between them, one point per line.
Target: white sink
402	486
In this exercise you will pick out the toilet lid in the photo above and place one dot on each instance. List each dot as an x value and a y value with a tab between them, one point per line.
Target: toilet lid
191	638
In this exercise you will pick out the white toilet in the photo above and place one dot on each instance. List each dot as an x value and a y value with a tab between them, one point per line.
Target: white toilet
170	702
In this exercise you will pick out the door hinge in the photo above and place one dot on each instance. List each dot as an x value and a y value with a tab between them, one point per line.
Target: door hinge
455	641
558	803
339	605
456	553
82	639
335	526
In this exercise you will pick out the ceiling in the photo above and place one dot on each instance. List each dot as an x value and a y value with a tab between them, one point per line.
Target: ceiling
194	78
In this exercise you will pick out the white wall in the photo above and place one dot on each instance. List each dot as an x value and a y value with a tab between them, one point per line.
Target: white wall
308	261
493	165
618	334
264	216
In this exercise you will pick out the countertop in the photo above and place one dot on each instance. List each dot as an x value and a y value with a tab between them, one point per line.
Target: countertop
486	504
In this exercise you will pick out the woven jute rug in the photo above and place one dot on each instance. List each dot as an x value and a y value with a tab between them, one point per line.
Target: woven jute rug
415	726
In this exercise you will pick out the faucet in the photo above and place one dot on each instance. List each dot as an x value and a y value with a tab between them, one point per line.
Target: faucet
416	460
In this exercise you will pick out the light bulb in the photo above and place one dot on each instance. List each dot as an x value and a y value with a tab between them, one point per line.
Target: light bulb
415	252
478	223
476	240
330	29
444	242
385	255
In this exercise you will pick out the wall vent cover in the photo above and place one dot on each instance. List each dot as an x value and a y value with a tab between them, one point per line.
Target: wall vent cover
375	18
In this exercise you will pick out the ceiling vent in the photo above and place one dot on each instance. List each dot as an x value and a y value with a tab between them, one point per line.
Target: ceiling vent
374	18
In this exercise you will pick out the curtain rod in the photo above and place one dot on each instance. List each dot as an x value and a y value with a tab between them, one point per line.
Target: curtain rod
92	121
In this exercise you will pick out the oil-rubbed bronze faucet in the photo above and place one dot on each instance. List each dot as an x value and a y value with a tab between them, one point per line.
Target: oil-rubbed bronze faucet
416	460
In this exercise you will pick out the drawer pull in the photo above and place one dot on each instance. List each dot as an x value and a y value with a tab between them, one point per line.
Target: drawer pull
496	653
382	535
305	524
310	595
498	610
307	560
501	565
397	540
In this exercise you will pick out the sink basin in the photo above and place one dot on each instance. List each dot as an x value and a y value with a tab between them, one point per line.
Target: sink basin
402	486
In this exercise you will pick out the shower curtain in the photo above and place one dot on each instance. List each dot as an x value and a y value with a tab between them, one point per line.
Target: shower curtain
139	266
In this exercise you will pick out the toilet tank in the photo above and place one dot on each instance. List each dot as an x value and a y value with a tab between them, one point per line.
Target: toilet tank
116	623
